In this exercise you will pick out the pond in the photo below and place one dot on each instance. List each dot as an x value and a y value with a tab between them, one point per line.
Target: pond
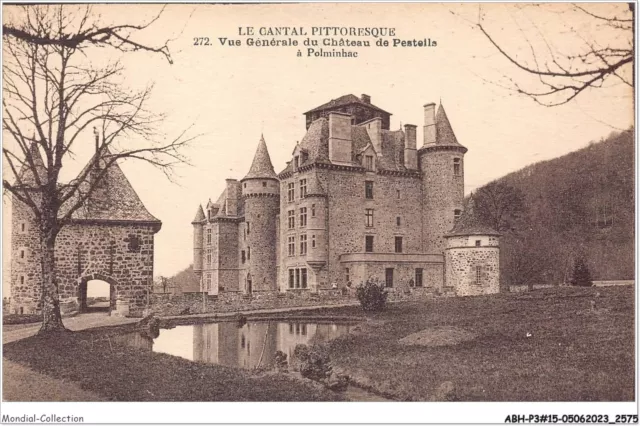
249	345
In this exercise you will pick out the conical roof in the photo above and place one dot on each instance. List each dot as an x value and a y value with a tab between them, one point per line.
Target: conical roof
261	168
26	173
469	223
444	131
199	215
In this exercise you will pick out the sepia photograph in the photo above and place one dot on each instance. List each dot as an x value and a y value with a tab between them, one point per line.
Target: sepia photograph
371	205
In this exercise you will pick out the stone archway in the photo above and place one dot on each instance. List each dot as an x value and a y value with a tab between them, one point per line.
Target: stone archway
85	289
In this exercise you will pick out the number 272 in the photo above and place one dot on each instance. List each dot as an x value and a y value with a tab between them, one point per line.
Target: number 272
201	41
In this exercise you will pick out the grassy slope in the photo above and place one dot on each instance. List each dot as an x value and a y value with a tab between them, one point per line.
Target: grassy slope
121	373
573	354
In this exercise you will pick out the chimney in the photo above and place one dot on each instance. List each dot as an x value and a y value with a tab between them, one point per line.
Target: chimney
410	155
339	137
365	98
97	135
430	123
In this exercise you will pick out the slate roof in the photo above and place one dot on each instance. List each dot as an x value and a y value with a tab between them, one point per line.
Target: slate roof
117	200
469	223
26	175
199	215
315	188
444	131
261	167
342	101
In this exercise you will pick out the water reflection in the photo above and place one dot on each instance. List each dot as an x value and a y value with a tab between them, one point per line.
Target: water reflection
250	345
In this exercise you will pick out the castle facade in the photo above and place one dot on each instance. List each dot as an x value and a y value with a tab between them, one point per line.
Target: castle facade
357	201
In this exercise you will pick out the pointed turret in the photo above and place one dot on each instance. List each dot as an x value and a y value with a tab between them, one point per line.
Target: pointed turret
444	131
26	173
469	222
199	215
261	167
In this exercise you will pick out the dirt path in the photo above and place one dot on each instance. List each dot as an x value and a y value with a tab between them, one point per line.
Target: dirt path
21	383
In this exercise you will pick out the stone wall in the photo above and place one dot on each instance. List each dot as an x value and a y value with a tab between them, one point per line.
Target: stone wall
443	193
192	303
120	254
460	270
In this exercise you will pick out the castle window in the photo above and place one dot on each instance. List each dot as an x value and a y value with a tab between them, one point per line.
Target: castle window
478	243
369	162
248	228
313	210
303	244
398	194
346	273
291	218
303	188
303	216
368	244
418	277
243	341
456	214
23	227
292	246
291	191
21	279
291	278
456	167
207	282
208	257
313	241
478	275
303	284
398	244
248	253
297	278
22	253
398	221
209	236
264	184
243	256
388	277
368	217
368	189
303	327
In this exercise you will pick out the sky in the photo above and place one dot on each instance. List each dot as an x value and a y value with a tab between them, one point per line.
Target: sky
230	96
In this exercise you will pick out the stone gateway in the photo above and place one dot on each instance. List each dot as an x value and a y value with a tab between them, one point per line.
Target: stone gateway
110	238
357	201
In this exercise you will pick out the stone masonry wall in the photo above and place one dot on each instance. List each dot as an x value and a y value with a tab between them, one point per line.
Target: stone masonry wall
460	266
443	193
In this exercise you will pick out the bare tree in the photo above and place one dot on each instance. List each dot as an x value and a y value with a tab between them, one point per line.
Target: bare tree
53	96
500	205
560	76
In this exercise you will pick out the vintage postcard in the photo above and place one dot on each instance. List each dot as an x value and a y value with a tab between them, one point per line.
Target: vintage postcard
427	207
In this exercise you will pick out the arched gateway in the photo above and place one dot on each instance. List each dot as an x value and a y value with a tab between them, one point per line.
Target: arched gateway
110	238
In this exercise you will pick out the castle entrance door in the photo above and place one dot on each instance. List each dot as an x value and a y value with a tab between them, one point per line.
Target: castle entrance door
96	295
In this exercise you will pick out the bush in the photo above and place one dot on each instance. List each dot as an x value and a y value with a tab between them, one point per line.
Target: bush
581	276
312	362
371	295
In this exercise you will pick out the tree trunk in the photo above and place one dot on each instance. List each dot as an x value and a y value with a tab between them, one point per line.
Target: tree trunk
51	317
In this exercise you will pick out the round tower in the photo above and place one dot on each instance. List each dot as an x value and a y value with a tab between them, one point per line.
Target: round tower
198	231
472	256
441	161
261	194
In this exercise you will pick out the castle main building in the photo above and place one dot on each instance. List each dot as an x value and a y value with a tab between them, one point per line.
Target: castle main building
356	201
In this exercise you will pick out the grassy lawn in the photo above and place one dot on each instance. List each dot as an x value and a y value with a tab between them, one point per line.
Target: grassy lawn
118	372
571	354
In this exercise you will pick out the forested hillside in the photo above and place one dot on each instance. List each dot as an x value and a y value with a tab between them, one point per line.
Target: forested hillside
578	204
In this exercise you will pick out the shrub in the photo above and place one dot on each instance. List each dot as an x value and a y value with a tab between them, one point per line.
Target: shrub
312	362
581	276
371	295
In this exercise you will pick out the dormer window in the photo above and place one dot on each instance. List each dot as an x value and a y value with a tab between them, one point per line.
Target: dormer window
296	162
456	214
368	162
